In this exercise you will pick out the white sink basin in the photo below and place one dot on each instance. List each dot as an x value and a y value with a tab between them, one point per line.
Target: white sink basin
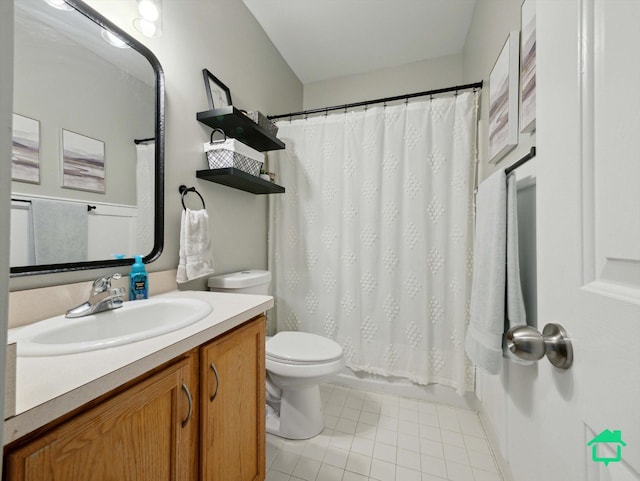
134	321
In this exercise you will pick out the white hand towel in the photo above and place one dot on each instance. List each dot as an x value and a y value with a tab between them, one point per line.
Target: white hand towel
516	314
483	341
496	288
195	246
60	231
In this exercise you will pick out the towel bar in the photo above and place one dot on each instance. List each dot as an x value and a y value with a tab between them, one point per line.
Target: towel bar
529	344
184	190
523	160
27	201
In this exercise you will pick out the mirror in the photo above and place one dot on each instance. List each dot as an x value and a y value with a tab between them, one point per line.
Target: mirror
88	142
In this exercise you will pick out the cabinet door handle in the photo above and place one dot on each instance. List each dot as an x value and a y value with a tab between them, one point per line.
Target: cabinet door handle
215	373
190	399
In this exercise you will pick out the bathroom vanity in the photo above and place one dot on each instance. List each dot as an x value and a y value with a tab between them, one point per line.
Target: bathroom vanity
181	406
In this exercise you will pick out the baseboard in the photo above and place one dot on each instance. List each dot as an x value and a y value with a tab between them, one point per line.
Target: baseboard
494	442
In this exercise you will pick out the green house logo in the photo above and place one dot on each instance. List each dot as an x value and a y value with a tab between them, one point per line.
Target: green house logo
611	438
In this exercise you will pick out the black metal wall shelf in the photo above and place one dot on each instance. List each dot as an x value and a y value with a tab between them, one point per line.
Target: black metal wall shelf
237	125
240	180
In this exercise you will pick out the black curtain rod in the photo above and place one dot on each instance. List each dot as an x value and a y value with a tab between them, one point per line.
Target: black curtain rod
523	160
141	141
477	85
89	207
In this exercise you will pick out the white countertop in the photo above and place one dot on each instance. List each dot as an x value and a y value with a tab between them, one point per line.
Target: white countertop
49	387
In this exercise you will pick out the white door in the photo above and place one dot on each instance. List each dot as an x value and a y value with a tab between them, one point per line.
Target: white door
588	211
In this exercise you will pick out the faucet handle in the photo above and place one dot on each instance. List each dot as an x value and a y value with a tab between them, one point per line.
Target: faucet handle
103	283
117	292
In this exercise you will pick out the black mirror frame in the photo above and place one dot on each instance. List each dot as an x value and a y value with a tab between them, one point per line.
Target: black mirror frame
158	231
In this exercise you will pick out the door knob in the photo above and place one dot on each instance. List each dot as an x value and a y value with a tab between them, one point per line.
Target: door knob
529	344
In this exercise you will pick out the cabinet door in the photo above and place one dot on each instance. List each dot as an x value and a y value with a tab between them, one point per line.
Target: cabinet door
232	422
144	433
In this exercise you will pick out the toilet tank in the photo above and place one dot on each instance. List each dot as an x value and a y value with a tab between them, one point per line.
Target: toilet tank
244	282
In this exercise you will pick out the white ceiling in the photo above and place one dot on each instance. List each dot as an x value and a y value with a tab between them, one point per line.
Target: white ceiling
324	39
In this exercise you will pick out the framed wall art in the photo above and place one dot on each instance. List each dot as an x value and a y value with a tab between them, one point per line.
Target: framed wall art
83	162
218	94
528	67
25	150
503	99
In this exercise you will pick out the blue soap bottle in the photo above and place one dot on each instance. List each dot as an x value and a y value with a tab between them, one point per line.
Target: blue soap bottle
139	281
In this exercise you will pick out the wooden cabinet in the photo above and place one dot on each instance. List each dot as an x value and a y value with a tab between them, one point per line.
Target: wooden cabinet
232	417
147	432
167	426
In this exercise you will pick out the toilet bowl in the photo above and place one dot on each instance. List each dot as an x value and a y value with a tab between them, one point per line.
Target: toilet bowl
297	362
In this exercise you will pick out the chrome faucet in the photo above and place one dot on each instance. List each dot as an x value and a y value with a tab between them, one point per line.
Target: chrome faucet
102	298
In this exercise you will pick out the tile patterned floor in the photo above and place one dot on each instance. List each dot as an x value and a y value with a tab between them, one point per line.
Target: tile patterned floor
381	437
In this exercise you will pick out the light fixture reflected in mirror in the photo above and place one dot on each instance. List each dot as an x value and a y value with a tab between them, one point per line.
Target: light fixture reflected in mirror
113	39
150	22
59	4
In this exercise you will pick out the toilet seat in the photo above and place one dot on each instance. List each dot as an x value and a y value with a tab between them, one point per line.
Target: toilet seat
302	348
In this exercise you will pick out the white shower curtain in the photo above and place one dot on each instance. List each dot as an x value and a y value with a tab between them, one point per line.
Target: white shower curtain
145	187
371	244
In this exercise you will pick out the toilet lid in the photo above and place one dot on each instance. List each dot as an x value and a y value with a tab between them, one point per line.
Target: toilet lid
302	347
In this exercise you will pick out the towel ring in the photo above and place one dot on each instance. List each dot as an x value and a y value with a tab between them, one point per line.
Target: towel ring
183	189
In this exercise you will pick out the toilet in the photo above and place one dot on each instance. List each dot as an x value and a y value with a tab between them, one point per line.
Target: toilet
296	362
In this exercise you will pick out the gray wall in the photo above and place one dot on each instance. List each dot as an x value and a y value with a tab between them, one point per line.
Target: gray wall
6	101
506	397
223	37
409	78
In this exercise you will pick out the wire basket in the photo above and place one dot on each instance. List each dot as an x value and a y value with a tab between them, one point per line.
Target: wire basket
232	153
263	122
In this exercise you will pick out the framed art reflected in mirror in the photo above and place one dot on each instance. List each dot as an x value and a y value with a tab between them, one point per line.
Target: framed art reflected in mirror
25	150
82	162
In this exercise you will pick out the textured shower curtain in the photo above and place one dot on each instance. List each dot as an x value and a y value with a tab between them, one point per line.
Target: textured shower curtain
145	187
371	245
